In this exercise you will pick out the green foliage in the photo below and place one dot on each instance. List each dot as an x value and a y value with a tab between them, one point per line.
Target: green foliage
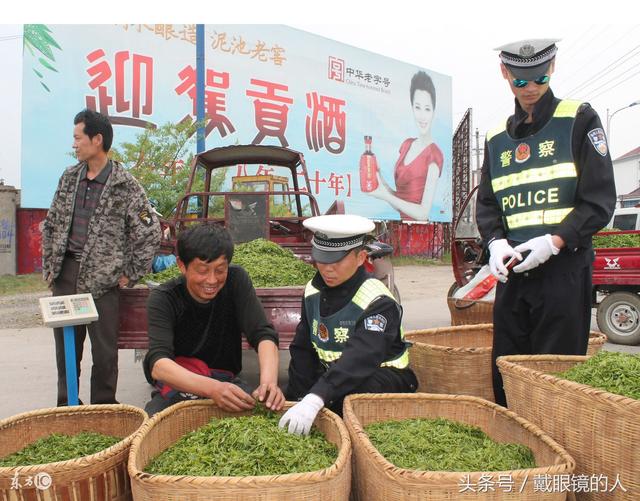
37	37
614	241
617	373
445	445
153	160
244	446
59	447
268	265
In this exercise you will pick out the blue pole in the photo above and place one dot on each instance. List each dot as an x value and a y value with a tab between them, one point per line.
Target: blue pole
70	364
200	85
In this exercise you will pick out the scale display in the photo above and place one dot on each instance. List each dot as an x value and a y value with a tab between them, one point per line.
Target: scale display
60	311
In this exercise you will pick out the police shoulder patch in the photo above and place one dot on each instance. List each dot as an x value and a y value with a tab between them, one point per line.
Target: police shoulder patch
598	140
145	217
375	323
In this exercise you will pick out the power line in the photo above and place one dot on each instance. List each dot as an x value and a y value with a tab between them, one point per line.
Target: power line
600	74
615	78
10	37
619	83
603	51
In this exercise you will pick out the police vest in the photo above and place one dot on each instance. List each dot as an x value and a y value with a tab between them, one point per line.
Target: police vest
534	179
329	334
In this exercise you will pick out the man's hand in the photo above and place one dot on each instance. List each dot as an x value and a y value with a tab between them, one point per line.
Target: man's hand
271	395
49	279
300	417
123	281
499	251
541	248
230	397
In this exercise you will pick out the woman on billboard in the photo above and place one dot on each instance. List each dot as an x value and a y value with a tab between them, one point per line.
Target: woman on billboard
419	165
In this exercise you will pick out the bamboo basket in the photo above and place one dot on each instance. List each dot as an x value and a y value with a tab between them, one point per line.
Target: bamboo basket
166	427
457	360
599	429
98	477
468	312
375	478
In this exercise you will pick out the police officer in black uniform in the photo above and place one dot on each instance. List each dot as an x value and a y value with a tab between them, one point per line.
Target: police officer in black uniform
349	339
547	186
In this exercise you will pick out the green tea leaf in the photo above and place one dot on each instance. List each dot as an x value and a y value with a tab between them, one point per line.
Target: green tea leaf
244	446
59	447
445	445
610	371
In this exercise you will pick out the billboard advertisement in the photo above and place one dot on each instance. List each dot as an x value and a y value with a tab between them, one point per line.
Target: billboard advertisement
375	132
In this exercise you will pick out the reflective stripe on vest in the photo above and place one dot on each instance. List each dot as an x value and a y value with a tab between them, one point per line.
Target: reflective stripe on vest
369	290
539	175
537	217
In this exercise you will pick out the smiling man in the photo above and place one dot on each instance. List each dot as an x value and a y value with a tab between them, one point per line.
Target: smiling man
195	326
547	186
349	339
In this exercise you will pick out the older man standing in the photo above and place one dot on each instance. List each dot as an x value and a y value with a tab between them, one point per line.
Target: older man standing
100	234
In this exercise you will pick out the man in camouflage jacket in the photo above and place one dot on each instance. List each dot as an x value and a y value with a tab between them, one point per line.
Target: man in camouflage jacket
97	242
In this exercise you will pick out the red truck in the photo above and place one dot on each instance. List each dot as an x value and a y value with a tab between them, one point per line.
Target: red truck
616	276
616	284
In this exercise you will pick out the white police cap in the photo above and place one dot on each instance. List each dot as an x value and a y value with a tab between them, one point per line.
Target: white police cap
529	59
335	235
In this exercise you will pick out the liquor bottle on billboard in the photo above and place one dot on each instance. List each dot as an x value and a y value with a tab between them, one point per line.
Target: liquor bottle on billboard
368	168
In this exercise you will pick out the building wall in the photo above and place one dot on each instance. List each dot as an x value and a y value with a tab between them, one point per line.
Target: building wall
627	175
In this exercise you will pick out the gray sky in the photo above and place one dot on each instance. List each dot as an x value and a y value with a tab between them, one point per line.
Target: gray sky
598	63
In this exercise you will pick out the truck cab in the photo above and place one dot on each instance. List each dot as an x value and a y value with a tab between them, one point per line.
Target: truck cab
625	219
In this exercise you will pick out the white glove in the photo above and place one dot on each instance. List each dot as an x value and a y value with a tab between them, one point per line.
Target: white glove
300	417
541	248
499	251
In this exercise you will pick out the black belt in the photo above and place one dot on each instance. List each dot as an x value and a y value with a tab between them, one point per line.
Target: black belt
73	255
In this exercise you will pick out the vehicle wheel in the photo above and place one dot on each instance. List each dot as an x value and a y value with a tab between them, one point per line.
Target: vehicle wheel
619	317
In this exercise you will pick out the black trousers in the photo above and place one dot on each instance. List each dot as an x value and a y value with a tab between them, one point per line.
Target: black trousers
545	310
103	334
383	380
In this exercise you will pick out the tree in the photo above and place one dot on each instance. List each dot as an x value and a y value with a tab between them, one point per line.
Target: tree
161	160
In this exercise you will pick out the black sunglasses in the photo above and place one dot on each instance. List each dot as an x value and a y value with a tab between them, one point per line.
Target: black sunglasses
520	83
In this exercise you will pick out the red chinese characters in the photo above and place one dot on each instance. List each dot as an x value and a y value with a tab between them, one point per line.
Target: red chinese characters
134	68
335	182
271	111
214	100
326	127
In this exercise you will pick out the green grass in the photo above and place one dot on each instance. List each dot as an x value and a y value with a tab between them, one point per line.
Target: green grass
19	284
420	261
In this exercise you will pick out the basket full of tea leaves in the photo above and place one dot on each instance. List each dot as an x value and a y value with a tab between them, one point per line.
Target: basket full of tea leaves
433	447
49	453
195	445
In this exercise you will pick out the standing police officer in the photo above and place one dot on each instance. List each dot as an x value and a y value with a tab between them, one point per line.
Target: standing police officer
547	186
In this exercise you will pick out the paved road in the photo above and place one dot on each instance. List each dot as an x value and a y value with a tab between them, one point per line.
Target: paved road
28	373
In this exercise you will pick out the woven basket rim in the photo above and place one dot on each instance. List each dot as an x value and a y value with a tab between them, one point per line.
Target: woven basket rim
566	465
595	338
409	335
510	363
343	460
81	462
